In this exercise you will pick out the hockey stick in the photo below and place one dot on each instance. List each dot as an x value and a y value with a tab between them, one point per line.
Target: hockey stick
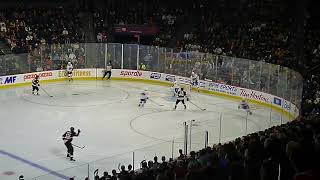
202	109
45	92
155	102
80	147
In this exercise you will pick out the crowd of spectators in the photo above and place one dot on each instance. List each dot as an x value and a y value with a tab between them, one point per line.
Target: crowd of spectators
149	13
26	29
244	32
311	93
32	30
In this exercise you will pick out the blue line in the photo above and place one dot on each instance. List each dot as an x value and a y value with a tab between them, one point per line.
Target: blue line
34	164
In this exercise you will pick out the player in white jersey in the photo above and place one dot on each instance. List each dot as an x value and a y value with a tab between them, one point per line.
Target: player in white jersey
245	106
143	97
194	79
67	138
69	70
35	85
175	88
181	96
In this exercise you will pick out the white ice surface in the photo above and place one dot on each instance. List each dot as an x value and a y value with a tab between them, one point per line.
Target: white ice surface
112	126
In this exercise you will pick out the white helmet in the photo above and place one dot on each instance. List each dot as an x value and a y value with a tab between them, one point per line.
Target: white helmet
69	63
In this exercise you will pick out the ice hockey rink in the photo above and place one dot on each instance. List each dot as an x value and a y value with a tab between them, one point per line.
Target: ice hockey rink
112	126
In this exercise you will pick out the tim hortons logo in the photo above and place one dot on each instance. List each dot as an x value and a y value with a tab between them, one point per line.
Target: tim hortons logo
253	95
131	73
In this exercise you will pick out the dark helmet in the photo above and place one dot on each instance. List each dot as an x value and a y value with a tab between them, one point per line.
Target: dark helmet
72	128
37	76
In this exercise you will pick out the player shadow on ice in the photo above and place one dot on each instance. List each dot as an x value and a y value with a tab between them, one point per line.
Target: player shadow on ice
59	152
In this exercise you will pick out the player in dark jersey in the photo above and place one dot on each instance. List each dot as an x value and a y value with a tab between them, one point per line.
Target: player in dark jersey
35	85
107	71
67	138
181	95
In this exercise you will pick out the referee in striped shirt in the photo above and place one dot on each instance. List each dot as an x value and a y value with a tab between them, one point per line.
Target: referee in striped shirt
107	71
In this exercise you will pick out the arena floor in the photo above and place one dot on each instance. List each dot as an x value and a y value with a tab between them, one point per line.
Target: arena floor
112	126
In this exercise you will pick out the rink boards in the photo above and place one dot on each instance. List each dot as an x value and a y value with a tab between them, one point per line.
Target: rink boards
281	105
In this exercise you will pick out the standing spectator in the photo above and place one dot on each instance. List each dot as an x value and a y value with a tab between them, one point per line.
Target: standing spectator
99	38
164	164
130	171
156	164
65	32
123	175
114	175
181	155
3	27
105	176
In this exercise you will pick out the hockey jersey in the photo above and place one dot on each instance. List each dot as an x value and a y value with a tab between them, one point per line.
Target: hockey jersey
181	95
68	136
143	95
108	68
35	82
69	67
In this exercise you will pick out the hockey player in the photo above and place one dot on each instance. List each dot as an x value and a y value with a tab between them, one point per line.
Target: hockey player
69	70
107	71
194	79
35	85
245	106
181	96
67	137
143	97
175	88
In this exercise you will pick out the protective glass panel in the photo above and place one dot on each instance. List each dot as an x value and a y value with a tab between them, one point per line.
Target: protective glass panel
149	58
130	52
255	75
95	55
114	55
